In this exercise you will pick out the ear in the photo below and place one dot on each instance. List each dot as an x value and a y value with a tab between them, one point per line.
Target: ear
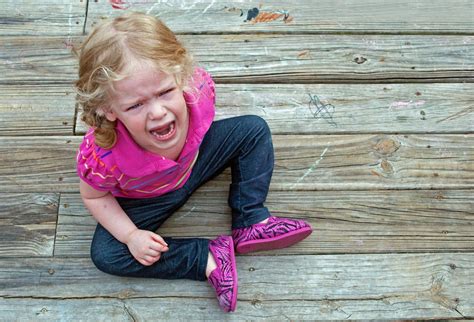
108	113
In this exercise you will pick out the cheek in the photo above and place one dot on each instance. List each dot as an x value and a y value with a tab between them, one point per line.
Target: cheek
185	113
181	108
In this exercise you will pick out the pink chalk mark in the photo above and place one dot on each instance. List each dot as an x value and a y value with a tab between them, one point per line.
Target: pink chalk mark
68	43
404	104
119	4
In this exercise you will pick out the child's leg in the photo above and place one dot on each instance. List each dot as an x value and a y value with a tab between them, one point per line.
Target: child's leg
186	258
245	144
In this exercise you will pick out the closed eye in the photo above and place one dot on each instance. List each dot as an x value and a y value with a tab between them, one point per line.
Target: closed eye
134	106
167	91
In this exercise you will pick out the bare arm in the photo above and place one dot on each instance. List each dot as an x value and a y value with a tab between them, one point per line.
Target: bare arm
107	211
144	245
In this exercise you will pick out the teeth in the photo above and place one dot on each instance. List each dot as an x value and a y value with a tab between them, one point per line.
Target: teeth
164	132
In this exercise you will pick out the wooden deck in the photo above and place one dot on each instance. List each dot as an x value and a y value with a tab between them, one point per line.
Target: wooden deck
371	104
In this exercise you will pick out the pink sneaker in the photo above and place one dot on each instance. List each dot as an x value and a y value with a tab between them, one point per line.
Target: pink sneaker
224	278
276	233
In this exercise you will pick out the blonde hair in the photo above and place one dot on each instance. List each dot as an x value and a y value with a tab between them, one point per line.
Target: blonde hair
106	55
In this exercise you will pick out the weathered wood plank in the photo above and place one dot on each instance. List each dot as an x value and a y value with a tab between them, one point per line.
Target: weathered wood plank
357	108
394	108
303	162
328	286
37	110
379	161
38	164
204	309
349	108
352	108
273	58
28	224
331	58
343	221
354	16
330	179
37	60
50	17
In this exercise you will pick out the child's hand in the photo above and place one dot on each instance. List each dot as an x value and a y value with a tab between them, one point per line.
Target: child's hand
146	246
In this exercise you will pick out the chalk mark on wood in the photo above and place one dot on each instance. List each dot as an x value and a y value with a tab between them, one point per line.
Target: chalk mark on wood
311	169
321	111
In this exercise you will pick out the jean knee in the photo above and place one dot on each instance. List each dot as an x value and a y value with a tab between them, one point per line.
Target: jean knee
99	260
105	261
257	124
258	139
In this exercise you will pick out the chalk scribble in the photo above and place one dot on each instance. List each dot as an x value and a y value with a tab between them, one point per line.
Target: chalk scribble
320	110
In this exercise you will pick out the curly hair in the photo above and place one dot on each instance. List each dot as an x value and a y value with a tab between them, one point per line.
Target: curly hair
107	56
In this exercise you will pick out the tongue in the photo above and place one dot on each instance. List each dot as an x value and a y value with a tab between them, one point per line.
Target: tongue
163	132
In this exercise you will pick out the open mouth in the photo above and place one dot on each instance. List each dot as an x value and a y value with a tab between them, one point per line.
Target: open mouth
164	133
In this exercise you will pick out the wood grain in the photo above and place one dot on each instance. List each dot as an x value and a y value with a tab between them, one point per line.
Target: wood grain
349	108
48	17
304	16
28	224
181	308
323	162
327	286
29	110
272	58
38	60
371	108
343	221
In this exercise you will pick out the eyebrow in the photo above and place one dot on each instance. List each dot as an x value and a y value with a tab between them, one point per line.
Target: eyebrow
137	99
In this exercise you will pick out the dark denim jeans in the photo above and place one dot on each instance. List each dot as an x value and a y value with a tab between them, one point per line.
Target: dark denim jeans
244	143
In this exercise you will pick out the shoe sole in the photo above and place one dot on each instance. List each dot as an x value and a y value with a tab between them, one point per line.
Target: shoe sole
278	242
233	303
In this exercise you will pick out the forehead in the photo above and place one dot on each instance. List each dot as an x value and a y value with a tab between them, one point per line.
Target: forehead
138	68
142	81
143	77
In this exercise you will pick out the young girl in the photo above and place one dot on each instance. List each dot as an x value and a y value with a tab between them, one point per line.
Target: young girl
152	142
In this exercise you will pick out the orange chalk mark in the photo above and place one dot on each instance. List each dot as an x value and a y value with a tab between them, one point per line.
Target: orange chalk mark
375	173
267	17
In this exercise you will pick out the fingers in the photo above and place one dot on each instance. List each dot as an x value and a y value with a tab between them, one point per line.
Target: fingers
144	262
151	252
162	246
159	239
158	248
146	247
149	260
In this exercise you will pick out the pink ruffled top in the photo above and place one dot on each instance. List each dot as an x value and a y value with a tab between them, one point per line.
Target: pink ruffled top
127	170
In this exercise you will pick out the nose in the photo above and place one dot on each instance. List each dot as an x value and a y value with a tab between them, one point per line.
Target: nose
156	110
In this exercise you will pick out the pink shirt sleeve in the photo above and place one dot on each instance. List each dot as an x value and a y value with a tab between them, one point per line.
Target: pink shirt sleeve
91	169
